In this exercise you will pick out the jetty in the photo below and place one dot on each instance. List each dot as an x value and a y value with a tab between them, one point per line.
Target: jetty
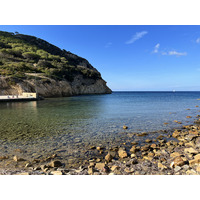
25	96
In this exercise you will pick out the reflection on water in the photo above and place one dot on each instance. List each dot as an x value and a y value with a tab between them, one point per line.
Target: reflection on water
72	123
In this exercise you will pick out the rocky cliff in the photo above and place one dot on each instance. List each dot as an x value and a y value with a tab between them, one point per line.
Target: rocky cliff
29	64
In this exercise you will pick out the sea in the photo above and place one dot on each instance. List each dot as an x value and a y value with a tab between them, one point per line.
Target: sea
69	126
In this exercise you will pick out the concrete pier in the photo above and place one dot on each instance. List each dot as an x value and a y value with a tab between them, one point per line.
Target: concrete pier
16	98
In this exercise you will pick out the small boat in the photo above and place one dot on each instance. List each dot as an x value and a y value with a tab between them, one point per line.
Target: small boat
174	91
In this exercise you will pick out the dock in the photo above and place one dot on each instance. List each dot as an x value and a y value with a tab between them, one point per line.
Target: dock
17	98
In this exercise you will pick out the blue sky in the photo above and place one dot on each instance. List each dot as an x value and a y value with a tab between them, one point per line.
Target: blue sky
138	58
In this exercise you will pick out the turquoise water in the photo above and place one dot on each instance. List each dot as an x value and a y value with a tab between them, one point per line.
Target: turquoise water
71	124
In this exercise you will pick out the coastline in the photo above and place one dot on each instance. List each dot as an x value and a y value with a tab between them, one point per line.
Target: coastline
177	152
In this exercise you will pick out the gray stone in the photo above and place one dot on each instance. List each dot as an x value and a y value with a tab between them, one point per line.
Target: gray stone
177	168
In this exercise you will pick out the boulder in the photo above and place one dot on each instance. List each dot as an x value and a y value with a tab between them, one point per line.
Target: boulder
161	166
175	154
17	159
125	127
178	161
56	173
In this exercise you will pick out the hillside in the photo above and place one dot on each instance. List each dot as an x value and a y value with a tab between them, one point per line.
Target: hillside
28	63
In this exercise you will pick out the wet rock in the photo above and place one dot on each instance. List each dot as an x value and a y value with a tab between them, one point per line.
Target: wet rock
175	134
165	123
55	163
153	146
56	173
190	150
160	137
122	153
100	166
18	159
98	160
108	157
133	155
188	117
92	147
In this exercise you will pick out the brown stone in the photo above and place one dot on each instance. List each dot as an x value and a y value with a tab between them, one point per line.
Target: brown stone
55	163
56	173
133	149
142	134
108	157
198	169
148	140
188	117
99	148
90	171
160	165
100	166
194	161
175	154
122	153
178	161
190	150
125	127
175	134
3	157
197	156
114	167
153	146
17	159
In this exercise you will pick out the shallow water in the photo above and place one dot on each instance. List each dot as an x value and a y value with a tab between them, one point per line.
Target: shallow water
70	125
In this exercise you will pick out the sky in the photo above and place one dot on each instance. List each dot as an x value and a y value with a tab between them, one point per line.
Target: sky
132	57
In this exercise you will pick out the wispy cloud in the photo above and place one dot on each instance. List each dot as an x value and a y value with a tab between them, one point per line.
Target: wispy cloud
198	40
175	53
156	48
137	36
108	44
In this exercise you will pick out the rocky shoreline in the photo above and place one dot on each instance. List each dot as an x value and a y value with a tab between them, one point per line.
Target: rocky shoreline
176	152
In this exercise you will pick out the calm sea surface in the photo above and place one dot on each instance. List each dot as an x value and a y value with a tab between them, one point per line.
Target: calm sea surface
70	125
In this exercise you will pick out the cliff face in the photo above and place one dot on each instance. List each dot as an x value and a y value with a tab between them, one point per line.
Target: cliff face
53	88
28	64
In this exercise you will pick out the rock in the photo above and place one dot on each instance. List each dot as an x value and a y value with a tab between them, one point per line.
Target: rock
128	170
175	134
122	153
190	150
90	171
197	157
17	159
178	161
133	155
56	173
3	157
175	154
177	168
191	172
198	169
188	117
190	144
100	166
125	127
43	167
55	163
145	147
92	147
28	165
194	161
142	134
92	164
160	165
160	137
197	142
165	123
108	157
134	161
98	160
99	148
23	173
114	167
153	146
133	149
185	167
148	140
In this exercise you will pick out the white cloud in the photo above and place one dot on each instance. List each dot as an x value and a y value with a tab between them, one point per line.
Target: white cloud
198	40
137	36
156	48
108	44
175	53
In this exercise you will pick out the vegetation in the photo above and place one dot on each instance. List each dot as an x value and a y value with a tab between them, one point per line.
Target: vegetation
21	54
